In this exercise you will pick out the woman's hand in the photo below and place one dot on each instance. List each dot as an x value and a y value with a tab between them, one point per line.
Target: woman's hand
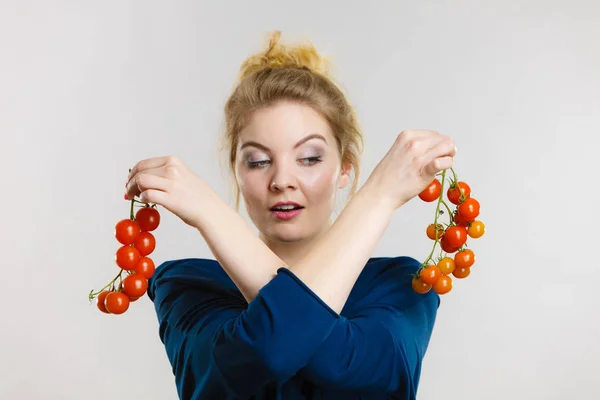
410	166
167	181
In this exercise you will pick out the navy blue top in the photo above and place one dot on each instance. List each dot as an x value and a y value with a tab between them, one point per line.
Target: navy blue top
287	343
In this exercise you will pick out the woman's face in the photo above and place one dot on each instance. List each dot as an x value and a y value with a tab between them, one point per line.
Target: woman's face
287	153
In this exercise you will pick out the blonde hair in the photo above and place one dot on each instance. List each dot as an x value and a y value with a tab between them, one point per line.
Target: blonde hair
299	74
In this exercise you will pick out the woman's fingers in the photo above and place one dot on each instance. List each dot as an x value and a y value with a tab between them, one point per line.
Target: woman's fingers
151	179
149	163
439	158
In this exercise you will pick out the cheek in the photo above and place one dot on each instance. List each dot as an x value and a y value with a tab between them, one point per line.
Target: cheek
320	184
249	187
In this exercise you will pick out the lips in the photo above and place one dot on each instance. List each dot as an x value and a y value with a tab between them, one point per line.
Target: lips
287	215
285	203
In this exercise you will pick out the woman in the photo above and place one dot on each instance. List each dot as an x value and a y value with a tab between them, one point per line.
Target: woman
301	310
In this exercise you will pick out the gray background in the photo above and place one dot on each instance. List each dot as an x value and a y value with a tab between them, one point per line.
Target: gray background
88	88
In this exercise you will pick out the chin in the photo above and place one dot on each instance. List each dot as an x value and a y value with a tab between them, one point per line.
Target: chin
281	235
284	234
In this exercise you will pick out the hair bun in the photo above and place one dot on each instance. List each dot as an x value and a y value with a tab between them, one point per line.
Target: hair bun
302	56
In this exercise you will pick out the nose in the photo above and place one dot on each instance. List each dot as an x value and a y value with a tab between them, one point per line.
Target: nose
282	178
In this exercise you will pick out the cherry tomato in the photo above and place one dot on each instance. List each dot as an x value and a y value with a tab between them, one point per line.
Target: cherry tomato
117	302
419	286
446	265
454	193
464	258
145	267
147	218
469	209
443	285
145	243
446	246
431	231
459	220
476	229
135	285
431	192
127	257
132	299
126	231
430	274
100	301
456	236
462	272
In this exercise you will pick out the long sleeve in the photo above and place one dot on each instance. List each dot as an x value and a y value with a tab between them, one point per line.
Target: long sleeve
380	345
221	347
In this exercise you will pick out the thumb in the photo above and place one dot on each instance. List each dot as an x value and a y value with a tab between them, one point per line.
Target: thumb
436	165
429	170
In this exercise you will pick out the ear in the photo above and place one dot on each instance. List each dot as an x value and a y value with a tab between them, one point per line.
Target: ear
344	175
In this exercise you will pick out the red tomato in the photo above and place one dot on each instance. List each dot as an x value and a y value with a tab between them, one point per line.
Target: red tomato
117	302
430	274
443	285
127	257
464	259
462	272
456	236
126	231
147	218
431	231
454	193
145	267
419	286
135	285
100	301
446	246
476	229
459	220
431	192
469	209
145	243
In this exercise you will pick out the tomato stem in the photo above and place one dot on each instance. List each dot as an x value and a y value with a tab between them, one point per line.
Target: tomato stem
435	223
131	210
454	174
92	294
449	211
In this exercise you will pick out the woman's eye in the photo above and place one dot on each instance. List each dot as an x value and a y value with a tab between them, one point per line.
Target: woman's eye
311	160
257	164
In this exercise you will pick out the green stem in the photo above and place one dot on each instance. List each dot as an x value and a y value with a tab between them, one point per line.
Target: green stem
449	211
92	294
454	173
435	223
131	211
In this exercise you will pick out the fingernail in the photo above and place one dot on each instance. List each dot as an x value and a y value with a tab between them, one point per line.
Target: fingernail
125	196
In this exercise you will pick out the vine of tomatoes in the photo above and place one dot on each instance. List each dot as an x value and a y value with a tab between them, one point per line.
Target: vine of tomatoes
455	259
132	258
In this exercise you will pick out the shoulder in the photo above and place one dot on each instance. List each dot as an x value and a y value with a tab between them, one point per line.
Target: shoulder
388	280
191	274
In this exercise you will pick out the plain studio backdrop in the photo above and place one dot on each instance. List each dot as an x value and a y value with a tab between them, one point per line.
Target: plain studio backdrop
89	88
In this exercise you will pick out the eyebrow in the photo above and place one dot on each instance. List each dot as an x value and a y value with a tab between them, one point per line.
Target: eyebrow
303	140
